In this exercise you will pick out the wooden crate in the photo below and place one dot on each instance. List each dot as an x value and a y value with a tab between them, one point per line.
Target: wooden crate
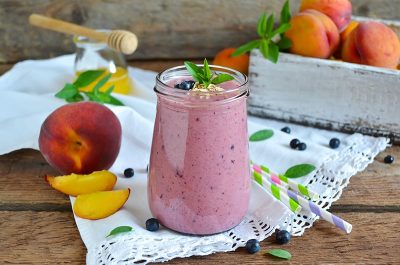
327	94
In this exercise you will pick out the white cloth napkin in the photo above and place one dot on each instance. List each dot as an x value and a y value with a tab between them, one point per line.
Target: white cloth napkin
27	98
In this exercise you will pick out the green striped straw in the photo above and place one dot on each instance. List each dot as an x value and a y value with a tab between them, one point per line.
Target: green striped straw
277	193
303	190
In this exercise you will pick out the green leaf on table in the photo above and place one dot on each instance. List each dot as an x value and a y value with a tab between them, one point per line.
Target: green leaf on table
246	48
119	230
262	25
300	170
261	135
68	91
280	253
221	78
87	77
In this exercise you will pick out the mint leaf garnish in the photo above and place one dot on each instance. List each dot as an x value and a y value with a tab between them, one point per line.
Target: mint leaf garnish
119	230
261	135
265	29
280	253
221	78
71	93
87	77
300	170
204	75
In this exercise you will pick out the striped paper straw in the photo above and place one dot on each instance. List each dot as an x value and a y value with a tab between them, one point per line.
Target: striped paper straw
314	208
291	183
324	214
277	193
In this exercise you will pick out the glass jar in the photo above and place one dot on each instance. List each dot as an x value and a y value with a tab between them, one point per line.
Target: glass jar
199	174
93	55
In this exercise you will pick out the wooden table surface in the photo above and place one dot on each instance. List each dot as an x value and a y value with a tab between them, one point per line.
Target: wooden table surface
37	225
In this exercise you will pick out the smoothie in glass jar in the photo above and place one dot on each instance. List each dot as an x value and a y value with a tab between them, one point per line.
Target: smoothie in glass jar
199	175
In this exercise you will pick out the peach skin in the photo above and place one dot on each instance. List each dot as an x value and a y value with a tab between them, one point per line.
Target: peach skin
80	138
313	34
98	205
338	10
75	184
372	43
239	63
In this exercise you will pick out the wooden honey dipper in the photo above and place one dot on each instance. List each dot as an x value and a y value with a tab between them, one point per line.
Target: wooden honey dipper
119	40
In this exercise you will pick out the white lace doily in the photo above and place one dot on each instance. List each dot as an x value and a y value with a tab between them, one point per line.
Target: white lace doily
329	180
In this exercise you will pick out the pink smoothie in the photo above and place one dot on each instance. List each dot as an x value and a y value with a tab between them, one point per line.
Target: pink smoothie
199	175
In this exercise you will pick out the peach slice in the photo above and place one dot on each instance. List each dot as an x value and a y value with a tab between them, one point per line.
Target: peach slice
76	184
101	204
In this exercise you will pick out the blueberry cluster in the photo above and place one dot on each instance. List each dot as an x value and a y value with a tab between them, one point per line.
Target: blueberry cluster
281	237
296	144
185	85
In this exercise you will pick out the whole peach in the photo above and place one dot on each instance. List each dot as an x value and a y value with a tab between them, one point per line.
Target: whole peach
343	37
372	43
239	63
80	138
338	10
313	34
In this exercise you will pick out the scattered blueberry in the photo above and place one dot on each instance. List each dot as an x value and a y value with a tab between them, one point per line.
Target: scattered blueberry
388	159
185	85
302	146
294	143
285	129
152	224
128	173
334	143
282	237
253	246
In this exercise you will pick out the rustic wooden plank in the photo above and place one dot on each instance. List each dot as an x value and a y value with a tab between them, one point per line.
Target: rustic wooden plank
166	28
40	238
52	238
22	186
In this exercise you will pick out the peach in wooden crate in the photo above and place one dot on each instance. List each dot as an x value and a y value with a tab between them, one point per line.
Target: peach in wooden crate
313	34
338	10
76	184
101	204
372	43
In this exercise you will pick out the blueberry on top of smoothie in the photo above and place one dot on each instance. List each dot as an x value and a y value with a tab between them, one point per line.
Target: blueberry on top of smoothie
185	85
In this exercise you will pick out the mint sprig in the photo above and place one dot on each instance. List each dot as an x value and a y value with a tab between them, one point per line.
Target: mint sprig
204	75
265	30
71	93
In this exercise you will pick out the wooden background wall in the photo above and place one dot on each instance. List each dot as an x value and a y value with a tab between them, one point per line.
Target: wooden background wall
166	28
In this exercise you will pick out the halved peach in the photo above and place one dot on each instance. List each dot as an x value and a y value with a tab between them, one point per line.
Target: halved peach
76	184
101	204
